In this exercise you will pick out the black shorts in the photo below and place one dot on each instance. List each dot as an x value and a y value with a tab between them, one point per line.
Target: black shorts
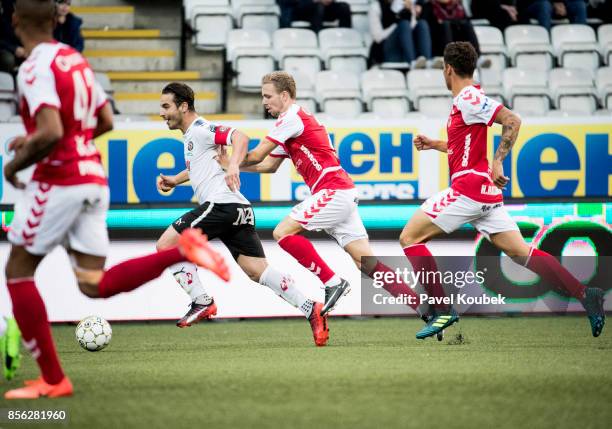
233	224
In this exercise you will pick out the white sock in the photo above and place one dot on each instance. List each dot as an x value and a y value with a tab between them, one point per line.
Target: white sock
284	286
2	325
186	275
334	281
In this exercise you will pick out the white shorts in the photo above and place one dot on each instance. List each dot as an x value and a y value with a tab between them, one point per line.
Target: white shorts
74	216
450	210
333	211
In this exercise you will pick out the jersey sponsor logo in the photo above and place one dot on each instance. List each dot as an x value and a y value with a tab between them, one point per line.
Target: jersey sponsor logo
311	158
245	216
466	150
490	190
91	168
485	104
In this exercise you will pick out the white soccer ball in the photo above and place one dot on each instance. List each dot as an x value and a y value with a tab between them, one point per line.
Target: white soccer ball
93	333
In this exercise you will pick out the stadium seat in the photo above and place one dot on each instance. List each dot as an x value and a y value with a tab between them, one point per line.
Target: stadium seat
306	96
527	90
359	16
427	90
492	45
529	47
385	93
491	82
343	49
604	86
250	53
604	36
572	90
7	110
8	100
575	46
338	93
297	49
211	20
256	14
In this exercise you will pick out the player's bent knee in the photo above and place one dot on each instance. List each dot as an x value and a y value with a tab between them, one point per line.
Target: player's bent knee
88	281
278	234
90	290
407	240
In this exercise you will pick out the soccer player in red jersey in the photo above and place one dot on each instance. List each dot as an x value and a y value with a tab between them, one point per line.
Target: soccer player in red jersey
63	110
332	207
475	193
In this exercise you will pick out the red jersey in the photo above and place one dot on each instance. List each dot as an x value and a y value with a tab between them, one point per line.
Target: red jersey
302	138
57	76
471	114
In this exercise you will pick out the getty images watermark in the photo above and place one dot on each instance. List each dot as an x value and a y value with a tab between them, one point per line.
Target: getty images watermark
485	284
445	279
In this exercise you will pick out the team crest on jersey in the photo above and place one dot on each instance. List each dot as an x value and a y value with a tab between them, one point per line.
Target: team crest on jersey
190	146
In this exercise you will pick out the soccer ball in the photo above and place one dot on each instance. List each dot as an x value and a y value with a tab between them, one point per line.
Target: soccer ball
93	333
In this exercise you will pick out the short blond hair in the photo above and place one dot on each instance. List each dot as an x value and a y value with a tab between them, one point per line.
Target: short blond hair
282	81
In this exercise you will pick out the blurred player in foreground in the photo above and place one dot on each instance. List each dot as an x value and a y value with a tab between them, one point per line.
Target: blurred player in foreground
223	212
63	110
475	193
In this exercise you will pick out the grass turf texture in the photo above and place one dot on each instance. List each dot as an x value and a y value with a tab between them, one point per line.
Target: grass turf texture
504	373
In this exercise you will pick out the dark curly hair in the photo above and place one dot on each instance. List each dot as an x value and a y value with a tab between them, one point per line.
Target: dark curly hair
462	57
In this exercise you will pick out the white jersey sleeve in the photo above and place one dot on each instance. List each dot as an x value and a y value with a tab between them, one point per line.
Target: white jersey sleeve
285	128
101	98
476	107
279	152
37	85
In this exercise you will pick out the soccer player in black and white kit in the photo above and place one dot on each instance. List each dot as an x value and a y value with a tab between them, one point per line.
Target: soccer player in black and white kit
223	212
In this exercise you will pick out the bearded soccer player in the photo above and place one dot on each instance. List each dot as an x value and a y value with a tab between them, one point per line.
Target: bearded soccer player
475	193
332	207
63	110
223	211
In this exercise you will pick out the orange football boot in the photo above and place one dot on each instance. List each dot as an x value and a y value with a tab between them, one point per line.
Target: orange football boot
194	245
318	323
35	389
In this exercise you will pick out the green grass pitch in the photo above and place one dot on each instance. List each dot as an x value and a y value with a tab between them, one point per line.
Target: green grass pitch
533	372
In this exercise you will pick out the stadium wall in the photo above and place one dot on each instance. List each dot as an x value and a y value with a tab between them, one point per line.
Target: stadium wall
553	158
163	299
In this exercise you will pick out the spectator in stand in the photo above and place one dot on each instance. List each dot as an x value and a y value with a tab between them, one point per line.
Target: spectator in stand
601	9
500	13
315	12
544	10
399	34
68	28
11	52
448	22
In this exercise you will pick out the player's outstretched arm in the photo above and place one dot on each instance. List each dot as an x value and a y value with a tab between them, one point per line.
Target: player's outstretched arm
240	145
269	165
511	123
36	146
166	183
422	142
257	155
105	120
